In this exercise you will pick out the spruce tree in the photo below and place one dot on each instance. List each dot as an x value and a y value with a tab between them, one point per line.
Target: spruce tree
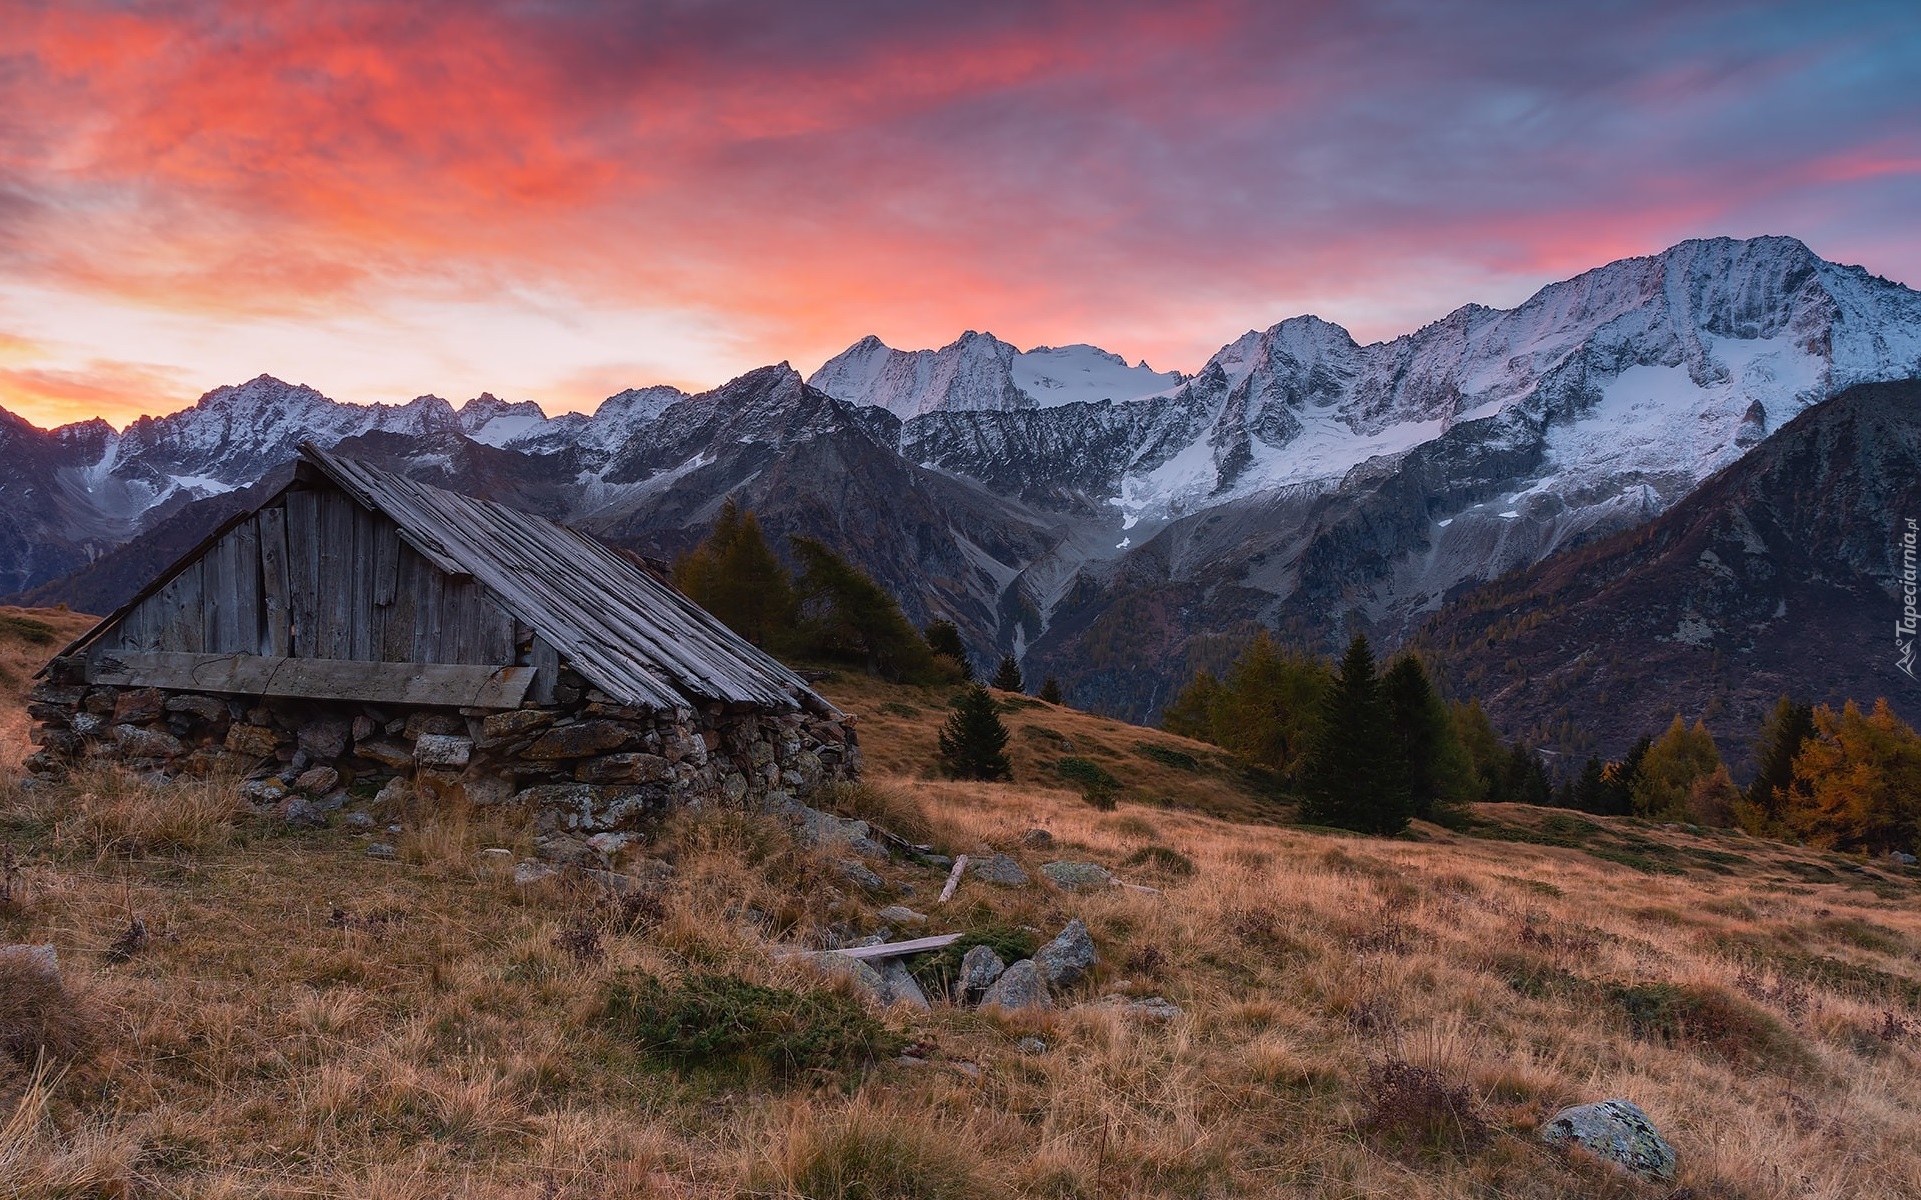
1438	770
973	743
1008	677
944	639
1620	778
1356	775
1051	690
1780	738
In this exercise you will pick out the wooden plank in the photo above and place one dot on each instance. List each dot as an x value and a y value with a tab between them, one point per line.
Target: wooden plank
546	663
385	565
246	589
303	570
180	609
215	569
896	949
336	576
361	641
953	879
397	640
440	685
429	589
276	634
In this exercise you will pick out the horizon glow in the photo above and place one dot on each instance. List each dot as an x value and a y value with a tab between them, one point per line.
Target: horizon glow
554	200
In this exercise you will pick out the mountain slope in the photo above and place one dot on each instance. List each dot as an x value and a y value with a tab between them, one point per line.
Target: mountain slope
1777	576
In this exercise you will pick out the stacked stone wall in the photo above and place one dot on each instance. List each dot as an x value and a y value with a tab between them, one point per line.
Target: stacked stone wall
579	768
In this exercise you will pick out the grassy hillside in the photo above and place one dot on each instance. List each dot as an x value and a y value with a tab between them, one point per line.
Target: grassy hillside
301	1019
28	637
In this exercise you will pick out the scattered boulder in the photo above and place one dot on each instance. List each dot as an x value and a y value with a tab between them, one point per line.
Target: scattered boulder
825	829
42	958
1019	986
526	873
1067	959
1076	876
998	869
858	874
901	987
1154	1008
979	968
900	914
360	820
1037	839
609	845
301	813
381	850
1031	1045
1617	1131
1902	857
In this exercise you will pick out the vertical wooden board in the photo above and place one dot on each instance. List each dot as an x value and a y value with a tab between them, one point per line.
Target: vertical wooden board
397	642
336	575
546	663
246	588
186	627
276	637
428	589
303	570
364	619
218	629
497	647
385	565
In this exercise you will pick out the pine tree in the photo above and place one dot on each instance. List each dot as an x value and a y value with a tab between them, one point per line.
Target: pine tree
1439	773
1779	740
944	639
1008	677
844	614
1590	791
1356	776
1051	690
973	743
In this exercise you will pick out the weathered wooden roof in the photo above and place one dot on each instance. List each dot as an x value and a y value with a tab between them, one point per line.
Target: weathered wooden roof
634	639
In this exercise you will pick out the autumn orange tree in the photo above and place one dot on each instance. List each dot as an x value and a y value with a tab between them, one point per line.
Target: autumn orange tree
1857	781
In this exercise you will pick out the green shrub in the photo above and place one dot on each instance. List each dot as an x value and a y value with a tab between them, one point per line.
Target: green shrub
1695	1014
1167	756
28	630
706	1019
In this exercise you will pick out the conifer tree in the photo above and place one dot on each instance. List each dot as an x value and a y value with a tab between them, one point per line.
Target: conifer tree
944	639
1482	745
1356	776
1438	770
1051	690
1008	677
973	743
844	614
1618	779
1779	740
1589	792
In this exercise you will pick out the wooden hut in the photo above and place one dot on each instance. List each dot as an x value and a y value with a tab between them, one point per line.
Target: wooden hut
361	626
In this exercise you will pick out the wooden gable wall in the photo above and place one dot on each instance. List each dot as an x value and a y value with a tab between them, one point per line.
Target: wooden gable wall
315	575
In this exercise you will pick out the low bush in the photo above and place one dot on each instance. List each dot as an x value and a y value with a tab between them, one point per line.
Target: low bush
712	1020
1700	1015
1162	860
1416	1108
935	972
865	1153
1167	756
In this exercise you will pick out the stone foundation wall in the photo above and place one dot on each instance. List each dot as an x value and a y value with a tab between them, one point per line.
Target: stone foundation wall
587	767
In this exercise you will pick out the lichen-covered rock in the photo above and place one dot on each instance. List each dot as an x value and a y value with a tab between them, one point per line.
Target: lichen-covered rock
824	829
206	708
1037	839
442	750
389	754
252	741
1617	1131
632	767
425	721
857	873
506	726
42	959
325	737
999	869
901	986
979	968
1076	876
1019	986
317	781
581	740
901	915
136	742
1067	959
139	706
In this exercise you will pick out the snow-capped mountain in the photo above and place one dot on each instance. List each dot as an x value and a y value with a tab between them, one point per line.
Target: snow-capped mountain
1108	522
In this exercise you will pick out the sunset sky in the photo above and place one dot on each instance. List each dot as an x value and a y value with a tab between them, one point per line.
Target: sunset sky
554	201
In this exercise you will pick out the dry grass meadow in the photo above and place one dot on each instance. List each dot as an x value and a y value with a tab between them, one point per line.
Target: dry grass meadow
294	1018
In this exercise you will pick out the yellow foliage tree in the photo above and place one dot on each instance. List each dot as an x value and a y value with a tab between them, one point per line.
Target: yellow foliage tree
1676	761
1857	781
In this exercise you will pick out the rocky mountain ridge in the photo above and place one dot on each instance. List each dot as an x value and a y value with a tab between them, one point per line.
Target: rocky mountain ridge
1114	525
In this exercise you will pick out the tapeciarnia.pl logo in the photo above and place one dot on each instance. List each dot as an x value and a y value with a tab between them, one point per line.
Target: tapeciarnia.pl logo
1904	629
